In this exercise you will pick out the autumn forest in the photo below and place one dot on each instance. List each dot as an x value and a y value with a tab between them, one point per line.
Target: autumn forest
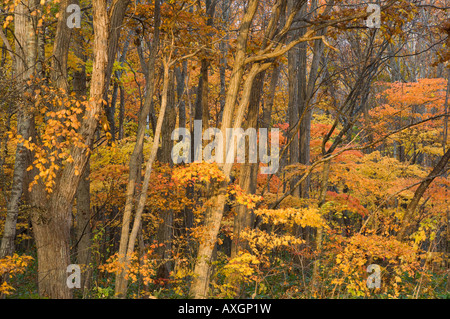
222	149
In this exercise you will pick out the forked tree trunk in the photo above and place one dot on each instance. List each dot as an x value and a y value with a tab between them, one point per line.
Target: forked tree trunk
136	155
51	213
125	257
214	213
213	216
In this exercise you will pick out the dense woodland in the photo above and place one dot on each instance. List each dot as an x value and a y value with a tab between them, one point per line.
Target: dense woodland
92	91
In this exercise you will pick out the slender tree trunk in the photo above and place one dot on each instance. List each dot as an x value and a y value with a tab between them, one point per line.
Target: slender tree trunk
83	196
213	216
164	233
121	111
267	112
25	47
247	177
58	73
293	78
412	206
121	282
134	165
319	234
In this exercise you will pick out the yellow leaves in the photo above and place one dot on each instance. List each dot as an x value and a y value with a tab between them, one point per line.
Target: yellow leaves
349	265
198	173
248	200
262	242
304	217
10	266
8	20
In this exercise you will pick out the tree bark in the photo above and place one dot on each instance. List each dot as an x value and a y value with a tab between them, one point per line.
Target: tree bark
58	73
51	213
248	172
213	217
121	282
83	196
412	206
25	47
137	151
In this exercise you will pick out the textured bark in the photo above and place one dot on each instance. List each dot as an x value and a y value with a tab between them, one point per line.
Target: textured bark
164	233
58	73
259	63
267	112
180	74
83	207
293	115
51	213
83	227
319	233
121	111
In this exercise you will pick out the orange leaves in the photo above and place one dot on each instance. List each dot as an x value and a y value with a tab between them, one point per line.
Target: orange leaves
405	103
249	200
395	258
57	122
143	267
347	202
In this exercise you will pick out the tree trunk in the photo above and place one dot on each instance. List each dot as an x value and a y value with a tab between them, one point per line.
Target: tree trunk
121	282
83	196
58	73
247	177
51	213
213	217
412	206
164	233
214	214
293	78
137	151
25	47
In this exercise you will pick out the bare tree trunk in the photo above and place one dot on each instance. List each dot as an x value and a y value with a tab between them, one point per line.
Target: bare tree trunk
83	196
121	111
412	206
267	112
293	78
165	228
121	282
214	214
247	177
58	73
137	151
200	283
25	47
319	234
